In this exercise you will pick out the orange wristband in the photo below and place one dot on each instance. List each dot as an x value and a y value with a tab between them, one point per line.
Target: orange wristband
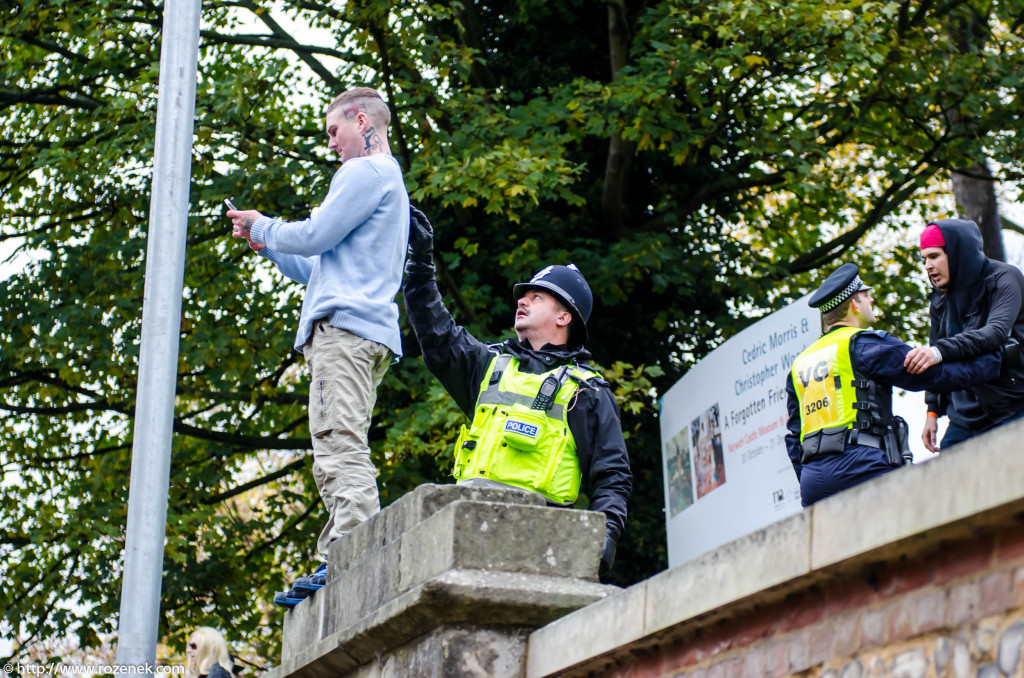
933	415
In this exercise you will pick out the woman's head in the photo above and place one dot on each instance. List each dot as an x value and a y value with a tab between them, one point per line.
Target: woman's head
205	648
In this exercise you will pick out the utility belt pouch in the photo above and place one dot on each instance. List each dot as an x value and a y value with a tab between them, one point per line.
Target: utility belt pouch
1010	354
523	427
903	439
826	441
892	447
897	442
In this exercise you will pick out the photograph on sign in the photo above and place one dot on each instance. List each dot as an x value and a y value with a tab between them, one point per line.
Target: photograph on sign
707	446
680	480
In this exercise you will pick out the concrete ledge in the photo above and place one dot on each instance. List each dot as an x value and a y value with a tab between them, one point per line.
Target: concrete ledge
962	487
394	521
976	485
461	596
455	650
442	556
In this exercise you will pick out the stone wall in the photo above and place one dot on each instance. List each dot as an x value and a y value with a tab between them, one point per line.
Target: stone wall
916	574
956	611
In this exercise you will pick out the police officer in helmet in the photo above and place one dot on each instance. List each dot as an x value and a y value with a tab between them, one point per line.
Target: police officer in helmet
541	419
841	429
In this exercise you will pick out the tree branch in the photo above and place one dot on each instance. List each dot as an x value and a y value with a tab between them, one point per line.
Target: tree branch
620	151
385	61
1010	225
469	32
271	43
835	248
291	43
53	47
9	98
239	440
280	473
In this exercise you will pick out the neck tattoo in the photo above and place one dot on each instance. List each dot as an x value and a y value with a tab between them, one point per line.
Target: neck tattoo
374	144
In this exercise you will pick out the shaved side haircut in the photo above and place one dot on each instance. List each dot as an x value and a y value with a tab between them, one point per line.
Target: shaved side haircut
362	100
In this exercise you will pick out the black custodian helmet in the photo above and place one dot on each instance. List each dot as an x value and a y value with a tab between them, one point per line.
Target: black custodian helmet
571	288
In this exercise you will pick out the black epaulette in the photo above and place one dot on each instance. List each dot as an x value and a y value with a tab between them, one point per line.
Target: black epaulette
595	378
881	334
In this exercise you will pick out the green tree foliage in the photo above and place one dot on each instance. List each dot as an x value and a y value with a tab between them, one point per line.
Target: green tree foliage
699	161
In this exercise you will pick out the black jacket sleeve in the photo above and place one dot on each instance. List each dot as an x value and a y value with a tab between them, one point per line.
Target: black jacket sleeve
793	447
936	402
880	356
1004	305
607	479
451	353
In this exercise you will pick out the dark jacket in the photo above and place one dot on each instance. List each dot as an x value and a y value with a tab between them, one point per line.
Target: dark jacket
983	307
459	361
217	671
877	356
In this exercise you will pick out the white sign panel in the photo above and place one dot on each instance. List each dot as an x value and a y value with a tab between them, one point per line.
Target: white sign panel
722	430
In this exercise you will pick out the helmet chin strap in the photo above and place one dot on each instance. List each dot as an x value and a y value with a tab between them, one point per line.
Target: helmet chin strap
538	338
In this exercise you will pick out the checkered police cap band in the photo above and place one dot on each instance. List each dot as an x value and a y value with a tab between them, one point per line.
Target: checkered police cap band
847	292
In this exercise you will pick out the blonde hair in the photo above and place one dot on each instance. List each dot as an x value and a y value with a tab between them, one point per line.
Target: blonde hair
211	648
363	100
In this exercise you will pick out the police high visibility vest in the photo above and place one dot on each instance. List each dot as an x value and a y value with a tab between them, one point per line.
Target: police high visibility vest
510	442
825	385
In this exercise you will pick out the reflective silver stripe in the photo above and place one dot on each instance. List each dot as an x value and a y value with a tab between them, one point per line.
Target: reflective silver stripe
492	395
497	397
498	365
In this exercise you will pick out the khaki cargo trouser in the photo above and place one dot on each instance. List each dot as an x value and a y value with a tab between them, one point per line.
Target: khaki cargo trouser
346	371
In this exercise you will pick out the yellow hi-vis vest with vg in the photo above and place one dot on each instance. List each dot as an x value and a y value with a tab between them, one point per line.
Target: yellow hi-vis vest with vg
823	380
510	443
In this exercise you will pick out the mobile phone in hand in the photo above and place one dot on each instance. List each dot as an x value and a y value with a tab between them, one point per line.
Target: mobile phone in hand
231	205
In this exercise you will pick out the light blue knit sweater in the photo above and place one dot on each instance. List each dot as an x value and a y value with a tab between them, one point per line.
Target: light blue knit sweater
349	253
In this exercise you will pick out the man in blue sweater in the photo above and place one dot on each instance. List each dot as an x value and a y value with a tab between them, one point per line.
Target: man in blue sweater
349	254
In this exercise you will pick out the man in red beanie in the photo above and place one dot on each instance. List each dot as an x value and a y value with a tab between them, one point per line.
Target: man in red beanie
977	307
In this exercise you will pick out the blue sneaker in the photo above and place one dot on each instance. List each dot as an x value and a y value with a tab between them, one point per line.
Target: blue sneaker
291	598
313	582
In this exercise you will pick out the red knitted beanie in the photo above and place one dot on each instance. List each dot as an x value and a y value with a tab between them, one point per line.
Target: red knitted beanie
932	237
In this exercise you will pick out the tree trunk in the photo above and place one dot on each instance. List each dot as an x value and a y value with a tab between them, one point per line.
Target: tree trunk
973	187
975	195
620	151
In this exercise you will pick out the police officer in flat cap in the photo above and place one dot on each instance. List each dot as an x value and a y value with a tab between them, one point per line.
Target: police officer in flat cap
841	429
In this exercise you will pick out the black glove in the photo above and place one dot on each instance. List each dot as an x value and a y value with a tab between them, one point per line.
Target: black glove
421	237
607	555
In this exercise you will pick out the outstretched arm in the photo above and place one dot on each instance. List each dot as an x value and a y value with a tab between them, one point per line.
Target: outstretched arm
354	196
881	357
451	353
1004	308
